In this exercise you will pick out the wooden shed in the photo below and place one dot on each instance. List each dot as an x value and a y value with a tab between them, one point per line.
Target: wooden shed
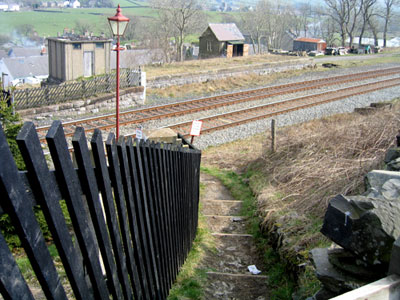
309	44
224	40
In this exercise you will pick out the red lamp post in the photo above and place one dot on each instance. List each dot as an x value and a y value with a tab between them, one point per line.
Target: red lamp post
118	24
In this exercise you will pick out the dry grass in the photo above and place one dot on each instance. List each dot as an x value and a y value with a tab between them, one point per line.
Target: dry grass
222	85
319	159
214	64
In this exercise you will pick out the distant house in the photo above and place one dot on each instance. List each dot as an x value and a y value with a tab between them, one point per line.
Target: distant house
25	52
73	56
76	4
9	7
222	40
24	69
309	44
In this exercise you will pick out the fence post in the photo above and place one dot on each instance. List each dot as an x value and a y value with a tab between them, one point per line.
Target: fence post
83	88
273	135
65	92
46	93
108	82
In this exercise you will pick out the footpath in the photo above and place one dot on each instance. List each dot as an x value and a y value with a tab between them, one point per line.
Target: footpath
229	276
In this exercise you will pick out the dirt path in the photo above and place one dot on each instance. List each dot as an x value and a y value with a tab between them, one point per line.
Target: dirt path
229	277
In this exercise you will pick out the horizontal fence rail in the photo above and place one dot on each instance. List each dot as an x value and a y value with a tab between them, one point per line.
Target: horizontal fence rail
133	210
53	94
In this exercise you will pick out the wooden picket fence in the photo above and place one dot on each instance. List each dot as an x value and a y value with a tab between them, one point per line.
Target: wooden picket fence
53	94
133	208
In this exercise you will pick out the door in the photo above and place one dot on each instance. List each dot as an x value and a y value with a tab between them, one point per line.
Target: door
88	63
246	49
229	51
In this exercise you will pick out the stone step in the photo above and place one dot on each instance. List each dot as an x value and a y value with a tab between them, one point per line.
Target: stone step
226	224
234	253
221	207
236	286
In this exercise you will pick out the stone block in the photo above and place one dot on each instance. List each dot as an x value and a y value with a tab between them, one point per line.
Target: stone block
348	263
331	278
383	184
394	267
165	135
367	227
392	154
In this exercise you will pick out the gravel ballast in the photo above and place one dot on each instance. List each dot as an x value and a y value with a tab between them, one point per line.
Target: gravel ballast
246	130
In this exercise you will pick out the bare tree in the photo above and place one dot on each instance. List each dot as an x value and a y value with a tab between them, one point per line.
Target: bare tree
345	14
373	25
301	18
367	11
328	31
182	17
387	15
82	26
254	23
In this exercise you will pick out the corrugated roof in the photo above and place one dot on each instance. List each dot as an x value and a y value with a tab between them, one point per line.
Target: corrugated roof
226	32
21	67
309	40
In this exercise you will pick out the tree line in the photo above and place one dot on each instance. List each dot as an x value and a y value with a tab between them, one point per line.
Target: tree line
268	23
338	22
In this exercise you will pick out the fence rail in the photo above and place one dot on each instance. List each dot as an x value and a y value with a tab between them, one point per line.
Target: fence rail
133	206
53	94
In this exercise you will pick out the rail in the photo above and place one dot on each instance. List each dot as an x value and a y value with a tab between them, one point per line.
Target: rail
138	116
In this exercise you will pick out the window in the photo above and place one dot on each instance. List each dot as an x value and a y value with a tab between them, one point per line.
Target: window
77	46
100	45
209	46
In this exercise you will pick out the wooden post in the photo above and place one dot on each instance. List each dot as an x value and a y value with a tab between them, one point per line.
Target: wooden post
273	136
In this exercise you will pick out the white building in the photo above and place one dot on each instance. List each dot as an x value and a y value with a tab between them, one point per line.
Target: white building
9	7
76	4
13	7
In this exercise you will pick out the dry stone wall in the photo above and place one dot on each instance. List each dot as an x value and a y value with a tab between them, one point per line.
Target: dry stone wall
130	97
260	69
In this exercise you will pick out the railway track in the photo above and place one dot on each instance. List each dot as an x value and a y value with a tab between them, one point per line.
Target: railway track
235	118
138	116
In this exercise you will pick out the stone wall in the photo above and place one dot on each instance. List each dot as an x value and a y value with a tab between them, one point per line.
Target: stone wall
259	69
129	97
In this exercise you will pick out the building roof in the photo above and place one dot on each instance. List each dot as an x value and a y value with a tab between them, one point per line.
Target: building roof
3	53
24	52
309	40
21	67
226	32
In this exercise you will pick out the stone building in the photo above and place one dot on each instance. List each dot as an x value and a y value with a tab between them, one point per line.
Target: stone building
73	56
224	40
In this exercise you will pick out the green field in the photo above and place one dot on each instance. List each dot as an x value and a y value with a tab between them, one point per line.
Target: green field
50	21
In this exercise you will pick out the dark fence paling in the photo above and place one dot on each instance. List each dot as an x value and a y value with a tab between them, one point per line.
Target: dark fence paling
53	94
133	211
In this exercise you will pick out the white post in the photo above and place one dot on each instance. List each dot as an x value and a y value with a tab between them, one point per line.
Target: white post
144	84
